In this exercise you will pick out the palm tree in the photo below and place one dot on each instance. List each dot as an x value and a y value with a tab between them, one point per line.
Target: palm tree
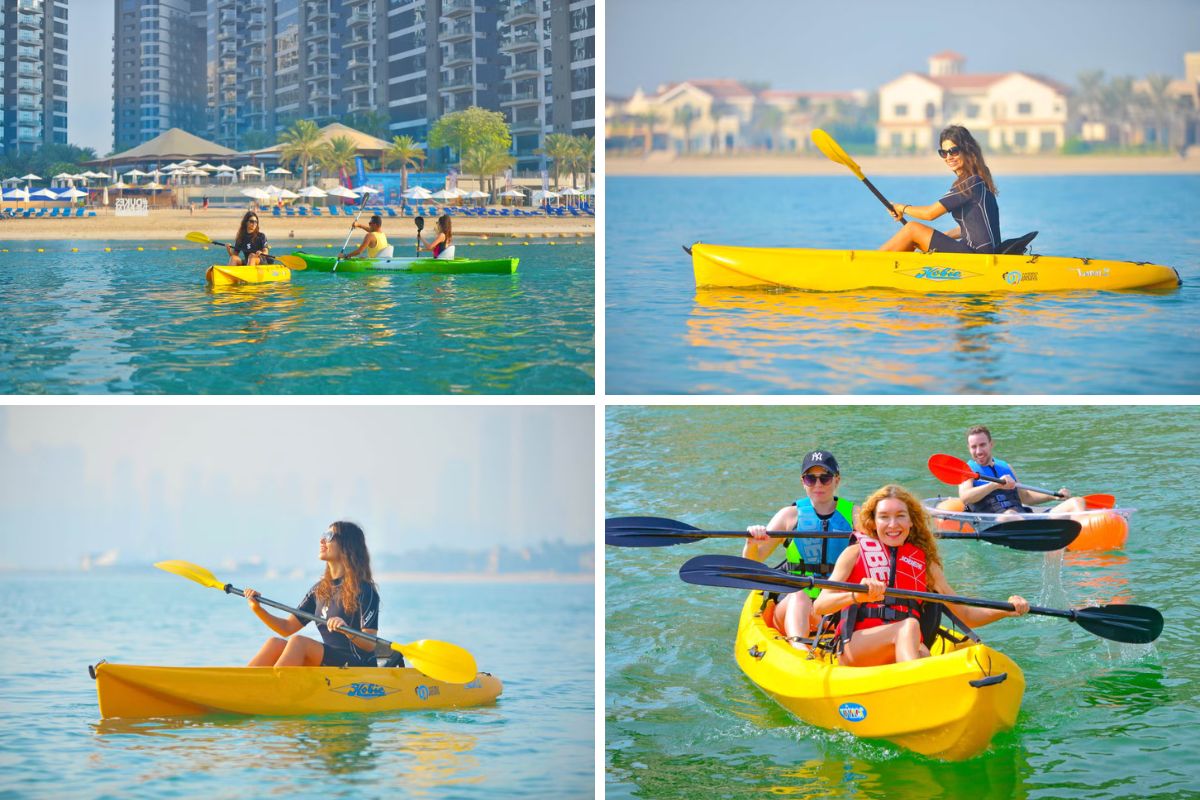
486	162
338	154
684	116
301	142
1161	107
585	154
407	152
558	148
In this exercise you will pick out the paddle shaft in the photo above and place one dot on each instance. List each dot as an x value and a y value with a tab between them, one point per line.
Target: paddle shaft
1021	486
882	199
263	255
231	589
361	205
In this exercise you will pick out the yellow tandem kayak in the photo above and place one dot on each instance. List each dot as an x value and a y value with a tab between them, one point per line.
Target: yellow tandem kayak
852	270
127	690
947	706
224	275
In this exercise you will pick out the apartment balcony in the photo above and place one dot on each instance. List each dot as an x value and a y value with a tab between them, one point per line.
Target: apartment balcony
523	11
458	56
28	70
29	134
520	71
316	11
315	33
449	32
358	79
228	50
358	63
526	125
459	80
255	56
318	54
516	42
29	18
357	19
457	8
29	54
255	20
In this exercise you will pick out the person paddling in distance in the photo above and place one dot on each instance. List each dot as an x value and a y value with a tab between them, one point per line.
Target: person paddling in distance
373	243
894	548
345	597
820	510
249	248
443	245
1003	498
971	201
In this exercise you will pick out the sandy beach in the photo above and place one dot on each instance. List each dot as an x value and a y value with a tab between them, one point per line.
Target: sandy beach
665	164
222	223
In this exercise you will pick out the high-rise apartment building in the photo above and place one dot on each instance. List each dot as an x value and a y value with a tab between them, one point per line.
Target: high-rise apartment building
261	65
158	69
548	51
33	74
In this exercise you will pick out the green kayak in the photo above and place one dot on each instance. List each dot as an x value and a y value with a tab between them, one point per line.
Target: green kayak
449	266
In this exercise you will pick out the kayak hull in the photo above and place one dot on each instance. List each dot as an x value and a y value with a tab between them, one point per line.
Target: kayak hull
224	275
430	266
854	270
1101	528
133	691
928	706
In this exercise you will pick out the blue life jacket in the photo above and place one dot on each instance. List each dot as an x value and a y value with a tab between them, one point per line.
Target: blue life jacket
817	556
1001	500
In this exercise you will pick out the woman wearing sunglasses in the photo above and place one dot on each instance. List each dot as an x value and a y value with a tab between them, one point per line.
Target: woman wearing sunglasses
971	201
344	597
819	510
250	247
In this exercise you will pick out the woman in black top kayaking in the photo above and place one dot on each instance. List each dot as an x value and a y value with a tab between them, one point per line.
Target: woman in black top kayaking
971	200
344	597
443	245
250	246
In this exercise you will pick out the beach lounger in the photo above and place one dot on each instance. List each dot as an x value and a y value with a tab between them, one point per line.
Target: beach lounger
275	212
79	212
316	212
291	212
333	211
391	212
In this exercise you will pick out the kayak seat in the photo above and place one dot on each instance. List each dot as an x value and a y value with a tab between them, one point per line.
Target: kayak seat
387	252
387	657
1018	246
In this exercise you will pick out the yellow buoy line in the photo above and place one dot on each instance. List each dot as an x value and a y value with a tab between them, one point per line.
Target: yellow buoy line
290	244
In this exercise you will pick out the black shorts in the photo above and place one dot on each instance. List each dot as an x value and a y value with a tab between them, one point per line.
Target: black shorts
332	657
941	243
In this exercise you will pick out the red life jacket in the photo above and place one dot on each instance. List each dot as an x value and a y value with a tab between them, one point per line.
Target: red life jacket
899	568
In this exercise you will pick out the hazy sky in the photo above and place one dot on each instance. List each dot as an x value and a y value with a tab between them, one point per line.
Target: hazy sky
89	74
210	483
861	44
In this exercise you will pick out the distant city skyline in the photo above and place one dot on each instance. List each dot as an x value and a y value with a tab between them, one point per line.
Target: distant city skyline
861	45
216	483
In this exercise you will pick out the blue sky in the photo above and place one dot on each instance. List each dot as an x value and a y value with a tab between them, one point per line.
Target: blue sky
210	483
861	44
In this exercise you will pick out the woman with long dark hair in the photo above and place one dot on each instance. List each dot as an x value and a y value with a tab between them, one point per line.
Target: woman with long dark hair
250	246
443	245
971	201
345	597
894	548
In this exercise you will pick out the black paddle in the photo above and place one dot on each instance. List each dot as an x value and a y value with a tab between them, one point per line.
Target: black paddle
1033	535
1120	623
420	223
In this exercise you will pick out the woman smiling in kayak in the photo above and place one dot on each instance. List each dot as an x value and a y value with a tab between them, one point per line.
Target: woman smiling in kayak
895	548
345	597
250	247
971	200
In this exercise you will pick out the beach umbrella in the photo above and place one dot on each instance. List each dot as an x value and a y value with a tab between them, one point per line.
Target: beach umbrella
443	194
418	193
187	162
120	185
63	176
588	192
287	194
45	194
230	174
73	194
225	168
250	168
257	194
91	174
154	185
17	194
342	191
280	171
106	195
312	191
209	167
31	177
271	189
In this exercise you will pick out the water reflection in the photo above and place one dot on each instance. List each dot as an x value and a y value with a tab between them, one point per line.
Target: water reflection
353	746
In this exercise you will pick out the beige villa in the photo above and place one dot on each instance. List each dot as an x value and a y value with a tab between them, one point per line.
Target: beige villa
1007	112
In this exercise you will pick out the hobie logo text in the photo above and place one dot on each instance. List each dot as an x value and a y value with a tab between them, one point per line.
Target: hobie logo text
852	712
938	274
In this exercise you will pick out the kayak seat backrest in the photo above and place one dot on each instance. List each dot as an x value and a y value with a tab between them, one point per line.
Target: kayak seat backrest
1011	247
386	252
385	656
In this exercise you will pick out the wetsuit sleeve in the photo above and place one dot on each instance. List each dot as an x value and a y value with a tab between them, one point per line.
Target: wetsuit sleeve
260	242
954	199
309	603
368	610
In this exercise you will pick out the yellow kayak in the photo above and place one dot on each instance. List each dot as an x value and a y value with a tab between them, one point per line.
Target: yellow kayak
224	275
127	690
852	270
947	706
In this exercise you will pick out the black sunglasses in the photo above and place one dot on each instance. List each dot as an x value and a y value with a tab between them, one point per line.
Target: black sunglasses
825	479
953	151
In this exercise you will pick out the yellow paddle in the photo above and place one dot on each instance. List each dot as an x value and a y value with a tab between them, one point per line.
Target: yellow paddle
201	238
834	152
439	660
292	262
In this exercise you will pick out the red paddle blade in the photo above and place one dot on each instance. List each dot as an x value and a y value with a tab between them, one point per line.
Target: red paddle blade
949	469
1100	500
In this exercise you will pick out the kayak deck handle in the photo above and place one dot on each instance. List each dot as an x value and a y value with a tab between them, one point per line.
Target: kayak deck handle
92	668
755	653
990	680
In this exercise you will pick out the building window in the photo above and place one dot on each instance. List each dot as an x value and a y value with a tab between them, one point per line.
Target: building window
972	111
900	110
1024	109
1020	140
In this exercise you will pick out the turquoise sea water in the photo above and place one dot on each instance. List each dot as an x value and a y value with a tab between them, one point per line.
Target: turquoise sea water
1100	720
145	323
537	741
665	336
